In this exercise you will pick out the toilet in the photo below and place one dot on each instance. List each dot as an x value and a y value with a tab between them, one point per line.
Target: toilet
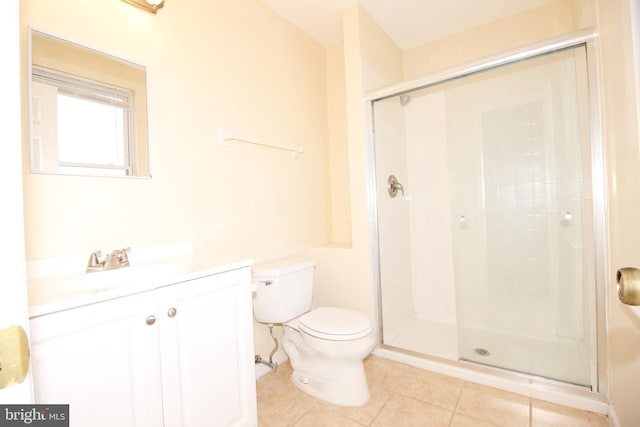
326	345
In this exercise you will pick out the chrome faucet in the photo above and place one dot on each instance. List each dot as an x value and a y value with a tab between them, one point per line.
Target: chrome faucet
116	259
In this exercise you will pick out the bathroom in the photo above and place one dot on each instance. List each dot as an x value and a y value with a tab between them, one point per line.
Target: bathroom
240	66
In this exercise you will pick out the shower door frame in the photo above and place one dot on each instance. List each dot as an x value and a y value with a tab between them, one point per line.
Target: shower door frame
588	39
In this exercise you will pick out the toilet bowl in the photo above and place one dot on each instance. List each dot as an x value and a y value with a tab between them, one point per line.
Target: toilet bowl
327	358
326	345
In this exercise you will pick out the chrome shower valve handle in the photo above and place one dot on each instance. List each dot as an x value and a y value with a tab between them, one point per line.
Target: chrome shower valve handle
393	186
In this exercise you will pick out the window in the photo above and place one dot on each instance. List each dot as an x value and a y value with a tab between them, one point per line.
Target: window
81	126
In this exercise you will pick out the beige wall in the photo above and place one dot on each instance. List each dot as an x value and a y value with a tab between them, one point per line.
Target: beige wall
549	21
211	64
338	148
371	60
623	163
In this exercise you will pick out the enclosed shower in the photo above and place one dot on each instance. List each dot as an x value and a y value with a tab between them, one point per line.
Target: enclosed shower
488	205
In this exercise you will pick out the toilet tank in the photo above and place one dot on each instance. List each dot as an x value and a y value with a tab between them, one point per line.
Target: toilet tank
283	289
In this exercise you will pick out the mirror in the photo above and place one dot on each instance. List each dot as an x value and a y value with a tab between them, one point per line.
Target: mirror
88	111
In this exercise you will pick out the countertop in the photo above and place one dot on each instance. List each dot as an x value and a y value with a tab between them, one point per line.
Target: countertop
49	293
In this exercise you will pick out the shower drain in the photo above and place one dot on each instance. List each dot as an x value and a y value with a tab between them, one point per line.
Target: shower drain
481	352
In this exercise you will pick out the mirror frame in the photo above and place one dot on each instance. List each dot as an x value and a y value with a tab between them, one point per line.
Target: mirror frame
140	136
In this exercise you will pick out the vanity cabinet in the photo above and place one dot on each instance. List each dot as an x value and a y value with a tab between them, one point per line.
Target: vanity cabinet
176	356
101	359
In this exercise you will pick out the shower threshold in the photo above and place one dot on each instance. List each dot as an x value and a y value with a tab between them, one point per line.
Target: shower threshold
557	392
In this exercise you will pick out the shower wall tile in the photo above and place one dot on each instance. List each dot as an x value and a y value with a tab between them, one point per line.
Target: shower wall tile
429	204
528	180
393	217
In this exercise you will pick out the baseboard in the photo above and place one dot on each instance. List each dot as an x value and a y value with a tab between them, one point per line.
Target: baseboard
279	357
613	417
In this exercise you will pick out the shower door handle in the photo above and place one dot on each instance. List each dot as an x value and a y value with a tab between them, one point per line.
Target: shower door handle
393	186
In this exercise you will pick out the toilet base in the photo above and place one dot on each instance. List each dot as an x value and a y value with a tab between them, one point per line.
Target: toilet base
329	370
346	384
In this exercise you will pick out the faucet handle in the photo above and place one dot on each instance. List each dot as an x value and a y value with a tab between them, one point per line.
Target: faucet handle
123	256
94	263
94	259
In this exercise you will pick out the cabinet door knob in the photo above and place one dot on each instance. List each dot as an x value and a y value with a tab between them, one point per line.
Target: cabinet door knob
151	320
172	312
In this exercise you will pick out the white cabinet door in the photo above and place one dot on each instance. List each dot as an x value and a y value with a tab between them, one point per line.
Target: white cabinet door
103	360
208	371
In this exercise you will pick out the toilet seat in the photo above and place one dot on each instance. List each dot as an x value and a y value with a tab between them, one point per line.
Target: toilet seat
333	323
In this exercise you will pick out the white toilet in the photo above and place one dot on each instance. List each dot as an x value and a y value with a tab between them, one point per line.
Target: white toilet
326	345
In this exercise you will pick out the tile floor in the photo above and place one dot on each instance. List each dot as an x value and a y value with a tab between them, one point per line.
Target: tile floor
402	395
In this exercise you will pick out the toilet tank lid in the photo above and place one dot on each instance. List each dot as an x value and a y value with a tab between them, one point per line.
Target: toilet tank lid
282	266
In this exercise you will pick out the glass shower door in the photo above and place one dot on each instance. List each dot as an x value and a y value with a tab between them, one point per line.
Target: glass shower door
522	217
486	253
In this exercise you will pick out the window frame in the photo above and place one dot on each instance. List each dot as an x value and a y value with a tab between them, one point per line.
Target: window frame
101	93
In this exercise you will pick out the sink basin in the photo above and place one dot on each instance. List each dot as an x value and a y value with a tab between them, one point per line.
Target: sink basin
117	278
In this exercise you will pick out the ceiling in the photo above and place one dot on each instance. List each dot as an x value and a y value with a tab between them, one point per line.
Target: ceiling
410	23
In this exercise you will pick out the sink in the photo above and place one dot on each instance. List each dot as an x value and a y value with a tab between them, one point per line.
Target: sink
117	278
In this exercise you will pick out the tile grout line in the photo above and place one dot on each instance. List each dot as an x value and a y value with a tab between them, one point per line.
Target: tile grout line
392	393
380	411
455	407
